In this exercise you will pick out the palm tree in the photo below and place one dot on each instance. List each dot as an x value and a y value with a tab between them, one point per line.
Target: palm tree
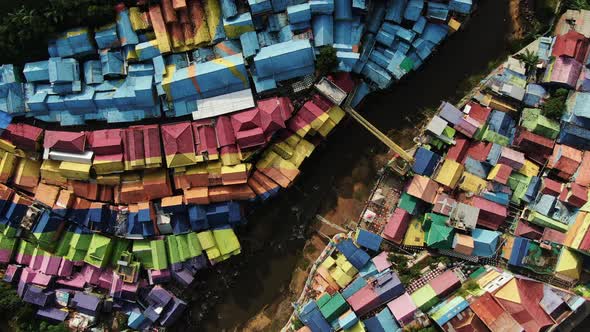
528	58
577	4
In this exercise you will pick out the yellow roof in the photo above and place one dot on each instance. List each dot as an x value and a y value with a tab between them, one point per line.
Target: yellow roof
341	278
454	24
507	247
569	264
487	278
579	235
328	262
472	183
529	168
74	171
509	292
358	327
414	235
450	173
494	172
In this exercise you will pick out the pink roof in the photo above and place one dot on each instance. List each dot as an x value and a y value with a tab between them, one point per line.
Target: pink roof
273	114
486	206
50	265
468	126
206	138
444	204
251	138
423	187
583	176
528	230
224	131
381	261
403	308
27	275
36	261
65	268
246	120
65	141
310	111
512	158
91	274
397	225
106	142
566	71
42	279
445	283
363	299
178	138
75	281
106	279
5	255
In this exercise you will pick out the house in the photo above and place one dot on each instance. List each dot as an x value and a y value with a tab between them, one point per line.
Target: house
493	315
403	309
571	44
397	225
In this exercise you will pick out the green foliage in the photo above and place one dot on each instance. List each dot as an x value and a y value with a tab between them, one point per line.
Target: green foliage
577	4
326	61
471	285
528	58
26	26
554	106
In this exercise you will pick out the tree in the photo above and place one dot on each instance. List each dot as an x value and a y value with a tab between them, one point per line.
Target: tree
577	4
554	106
528	58
327	61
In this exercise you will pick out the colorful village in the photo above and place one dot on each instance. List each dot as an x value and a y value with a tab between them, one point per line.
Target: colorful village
129	156
489	229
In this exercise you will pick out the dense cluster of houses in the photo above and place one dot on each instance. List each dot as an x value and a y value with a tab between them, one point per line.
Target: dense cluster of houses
497	182
100	220
354	292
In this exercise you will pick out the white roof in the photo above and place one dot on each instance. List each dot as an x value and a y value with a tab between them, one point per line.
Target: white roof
227	103
437	125
82	158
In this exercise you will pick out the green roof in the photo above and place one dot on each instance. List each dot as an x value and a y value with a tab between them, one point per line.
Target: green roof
25	248
480	270
172	249
409	203
159	258
534	121
425	297
494	137
143	252
10	231
119	246
194	246
434	218
227	241
99	251
182	245
519	183
335	307
323	299
440	236
8	243
64	244
541	220
206	239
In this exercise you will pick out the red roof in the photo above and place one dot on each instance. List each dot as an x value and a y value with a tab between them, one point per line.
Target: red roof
487	308
322	102
457	152
273	114
397	225
566	160
585	245
22	135
343	80
583	176
503	174
65	141
572	44
551	187
479	112
152	144
105	142
534	146
479	150
205	138
133	144
224	131
553	236
528	230
178	138
529	314
577	195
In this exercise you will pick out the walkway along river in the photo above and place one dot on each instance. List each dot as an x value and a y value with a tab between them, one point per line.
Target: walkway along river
227	296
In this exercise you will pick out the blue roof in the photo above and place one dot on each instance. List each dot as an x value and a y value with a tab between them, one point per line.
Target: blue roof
343	10
425	162
435	33
519	251
249	41
353	287
323	30
395	10
299	13
387	321
414	9
285	60
461	6
437	11
485	242
368	240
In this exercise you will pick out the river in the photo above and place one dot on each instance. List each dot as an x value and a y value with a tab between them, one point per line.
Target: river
228	295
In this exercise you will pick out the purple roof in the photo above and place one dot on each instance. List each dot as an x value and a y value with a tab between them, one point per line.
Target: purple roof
12	273
174	312
52	313
76	281
38	296
184	277
65	268
158	276
151	313
91	274
86	303
159	296
50	265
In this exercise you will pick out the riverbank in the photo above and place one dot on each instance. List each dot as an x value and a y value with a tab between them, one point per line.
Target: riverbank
351	187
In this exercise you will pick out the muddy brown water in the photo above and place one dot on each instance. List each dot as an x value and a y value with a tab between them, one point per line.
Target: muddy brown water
225	297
